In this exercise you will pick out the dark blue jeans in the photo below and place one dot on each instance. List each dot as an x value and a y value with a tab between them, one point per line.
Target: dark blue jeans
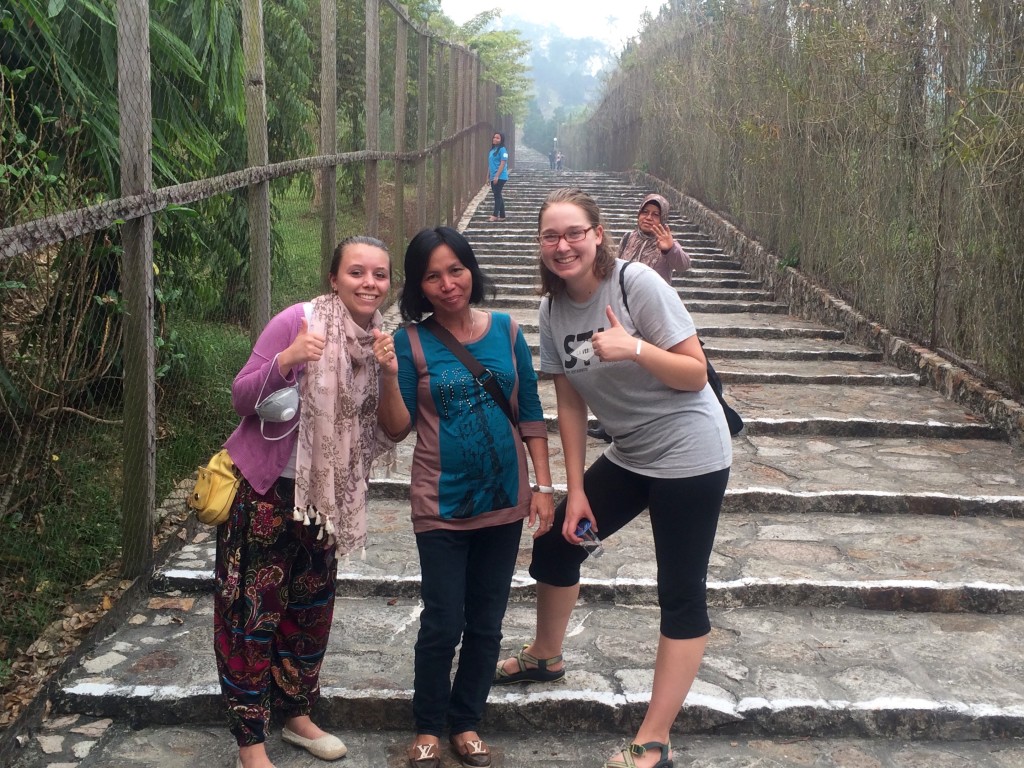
499	201
466	578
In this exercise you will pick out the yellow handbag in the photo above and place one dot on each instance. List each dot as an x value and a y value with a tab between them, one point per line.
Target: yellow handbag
215	490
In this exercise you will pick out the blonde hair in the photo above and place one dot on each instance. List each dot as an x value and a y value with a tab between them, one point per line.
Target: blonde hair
604	262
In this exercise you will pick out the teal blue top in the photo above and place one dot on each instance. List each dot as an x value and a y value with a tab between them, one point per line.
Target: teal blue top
469	465
494	158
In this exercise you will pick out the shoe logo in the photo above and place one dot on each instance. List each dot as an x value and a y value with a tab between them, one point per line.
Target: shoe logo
475	747
426	751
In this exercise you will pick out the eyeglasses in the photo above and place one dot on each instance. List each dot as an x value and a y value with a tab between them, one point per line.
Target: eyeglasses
649	214
550	239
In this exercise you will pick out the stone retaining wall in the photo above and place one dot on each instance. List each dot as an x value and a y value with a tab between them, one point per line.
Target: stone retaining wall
809	300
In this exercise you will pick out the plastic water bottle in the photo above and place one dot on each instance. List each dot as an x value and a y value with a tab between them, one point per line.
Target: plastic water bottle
590	542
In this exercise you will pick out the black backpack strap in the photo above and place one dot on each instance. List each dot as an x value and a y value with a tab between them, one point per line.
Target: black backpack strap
481	375
734	419
622	282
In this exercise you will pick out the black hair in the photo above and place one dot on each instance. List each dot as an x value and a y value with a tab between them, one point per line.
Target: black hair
413	303
339	251
502	144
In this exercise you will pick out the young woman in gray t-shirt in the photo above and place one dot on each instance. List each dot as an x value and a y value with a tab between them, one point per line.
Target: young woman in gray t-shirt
643	374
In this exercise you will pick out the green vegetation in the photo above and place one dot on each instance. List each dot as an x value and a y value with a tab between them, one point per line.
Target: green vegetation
884	138
502	53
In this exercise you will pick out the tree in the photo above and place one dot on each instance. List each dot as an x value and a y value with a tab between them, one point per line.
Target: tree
503	54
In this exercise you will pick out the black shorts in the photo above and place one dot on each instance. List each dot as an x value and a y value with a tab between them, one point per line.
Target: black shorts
684	516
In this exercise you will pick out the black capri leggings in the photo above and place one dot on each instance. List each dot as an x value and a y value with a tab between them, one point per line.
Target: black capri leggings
684	517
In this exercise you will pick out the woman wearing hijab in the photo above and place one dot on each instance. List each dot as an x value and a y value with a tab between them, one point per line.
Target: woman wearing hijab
651	243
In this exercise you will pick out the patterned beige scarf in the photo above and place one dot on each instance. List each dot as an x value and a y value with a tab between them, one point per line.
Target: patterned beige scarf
338	433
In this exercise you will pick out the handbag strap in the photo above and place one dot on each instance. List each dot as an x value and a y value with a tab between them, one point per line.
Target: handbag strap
481	375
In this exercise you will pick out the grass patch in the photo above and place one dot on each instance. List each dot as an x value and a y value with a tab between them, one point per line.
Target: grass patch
69	534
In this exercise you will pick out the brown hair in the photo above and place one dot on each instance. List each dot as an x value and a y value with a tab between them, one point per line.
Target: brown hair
604	262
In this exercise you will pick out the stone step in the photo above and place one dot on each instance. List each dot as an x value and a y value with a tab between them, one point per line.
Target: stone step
174	746
746	325
789	671
516	275
823	408
961	564
526	257
752	375
824	474
690	294
505	303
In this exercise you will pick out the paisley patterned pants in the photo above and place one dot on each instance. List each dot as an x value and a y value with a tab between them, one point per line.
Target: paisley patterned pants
273	606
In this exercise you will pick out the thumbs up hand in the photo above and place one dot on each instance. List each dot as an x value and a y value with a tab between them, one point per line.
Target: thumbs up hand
613	344
308	347
384	351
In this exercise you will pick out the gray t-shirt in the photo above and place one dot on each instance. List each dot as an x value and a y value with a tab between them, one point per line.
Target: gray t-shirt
659	431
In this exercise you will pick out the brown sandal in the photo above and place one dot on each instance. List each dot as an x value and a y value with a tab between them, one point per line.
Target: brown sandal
538	673
424	756
473	753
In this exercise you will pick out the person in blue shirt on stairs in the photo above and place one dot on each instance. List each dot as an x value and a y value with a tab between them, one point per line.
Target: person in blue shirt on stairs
497	174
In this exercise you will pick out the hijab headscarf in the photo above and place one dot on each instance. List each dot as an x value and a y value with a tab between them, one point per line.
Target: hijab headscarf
641	247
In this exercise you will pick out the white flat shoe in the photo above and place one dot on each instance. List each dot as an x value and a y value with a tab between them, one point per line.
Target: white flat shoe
327	747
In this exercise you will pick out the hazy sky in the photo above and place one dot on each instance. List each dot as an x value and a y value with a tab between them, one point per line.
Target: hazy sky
613	21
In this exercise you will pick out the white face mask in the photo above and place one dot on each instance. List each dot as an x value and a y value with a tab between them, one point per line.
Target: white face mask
279	406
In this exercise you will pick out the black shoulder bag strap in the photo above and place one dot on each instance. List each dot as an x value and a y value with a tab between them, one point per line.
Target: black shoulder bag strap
481	375
734	419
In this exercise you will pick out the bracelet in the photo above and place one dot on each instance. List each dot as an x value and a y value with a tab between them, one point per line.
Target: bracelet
638	343
543	489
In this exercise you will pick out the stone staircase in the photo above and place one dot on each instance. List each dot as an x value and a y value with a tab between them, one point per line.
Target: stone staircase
866	585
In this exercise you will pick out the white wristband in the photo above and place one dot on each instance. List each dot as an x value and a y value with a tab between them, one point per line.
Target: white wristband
638	343
543	489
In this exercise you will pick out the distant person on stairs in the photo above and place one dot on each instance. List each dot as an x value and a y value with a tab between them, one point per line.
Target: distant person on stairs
643	373
651	243
497	165
304	457
469	483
